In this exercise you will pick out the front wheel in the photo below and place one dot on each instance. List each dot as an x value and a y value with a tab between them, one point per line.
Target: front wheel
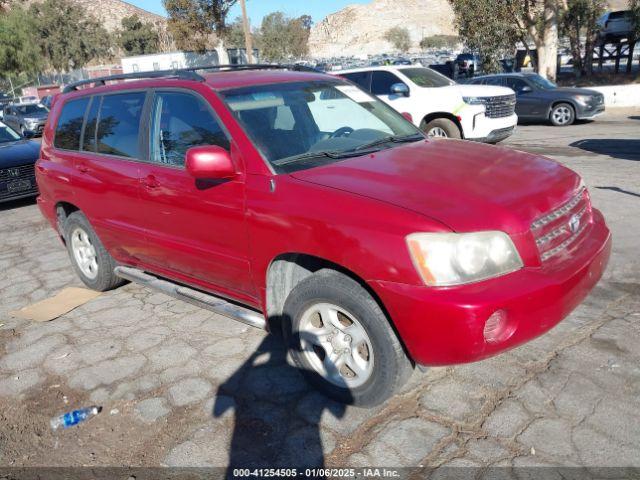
342	341
562	115
441	128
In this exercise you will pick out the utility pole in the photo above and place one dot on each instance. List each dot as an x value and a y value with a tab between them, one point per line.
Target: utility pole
247	32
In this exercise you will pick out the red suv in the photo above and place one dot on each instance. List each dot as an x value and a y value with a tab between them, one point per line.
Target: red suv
294	200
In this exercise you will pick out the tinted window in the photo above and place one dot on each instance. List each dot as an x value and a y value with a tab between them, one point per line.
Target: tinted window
70	124
515	84
119	124
361	78
182	121
493	81
31	109
381	82
425	77
89	138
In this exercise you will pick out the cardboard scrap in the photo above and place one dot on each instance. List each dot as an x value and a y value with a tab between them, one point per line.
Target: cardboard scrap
63	302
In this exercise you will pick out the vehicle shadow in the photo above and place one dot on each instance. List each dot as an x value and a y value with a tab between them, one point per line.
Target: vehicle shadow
619	190
614	147
277	422
634	117
22	202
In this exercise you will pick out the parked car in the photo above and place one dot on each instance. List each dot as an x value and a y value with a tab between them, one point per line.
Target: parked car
46	101
28	118
325	213
440	106
5	99
17	159
28	99
469	64
540	99
616	25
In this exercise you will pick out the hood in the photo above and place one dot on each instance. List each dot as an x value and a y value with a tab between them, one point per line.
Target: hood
467	186
465	90
576	91
22	152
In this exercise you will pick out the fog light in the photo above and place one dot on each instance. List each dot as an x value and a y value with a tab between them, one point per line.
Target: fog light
497	328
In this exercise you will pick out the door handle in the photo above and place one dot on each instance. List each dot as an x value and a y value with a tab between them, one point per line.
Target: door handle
150	182
82	168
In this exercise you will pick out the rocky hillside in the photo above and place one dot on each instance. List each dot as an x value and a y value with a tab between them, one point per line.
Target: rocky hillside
360	29
111	12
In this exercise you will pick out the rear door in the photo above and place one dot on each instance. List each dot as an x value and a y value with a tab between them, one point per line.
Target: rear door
106	182
196	228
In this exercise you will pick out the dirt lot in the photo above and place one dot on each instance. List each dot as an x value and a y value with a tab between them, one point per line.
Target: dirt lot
182	387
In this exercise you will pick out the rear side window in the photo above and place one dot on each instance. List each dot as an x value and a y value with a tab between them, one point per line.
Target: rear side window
119	124
381	82
69	127
181	121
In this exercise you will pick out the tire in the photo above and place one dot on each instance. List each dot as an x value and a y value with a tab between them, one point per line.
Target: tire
441	128
82	242
562	115
380	365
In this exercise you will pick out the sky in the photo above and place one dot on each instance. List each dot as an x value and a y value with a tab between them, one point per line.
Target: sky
256	9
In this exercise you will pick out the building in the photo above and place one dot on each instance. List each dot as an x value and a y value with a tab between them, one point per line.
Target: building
175	60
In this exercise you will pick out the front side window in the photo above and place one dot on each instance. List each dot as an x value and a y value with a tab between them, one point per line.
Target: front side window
381	82
181	121
306	124
542	82
426	77
515	84
69	127
119	124
361	78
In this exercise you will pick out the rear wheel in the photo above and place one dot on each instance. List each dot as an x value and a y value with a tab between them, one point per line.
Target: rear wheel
441	128
91	261
342	341
562	115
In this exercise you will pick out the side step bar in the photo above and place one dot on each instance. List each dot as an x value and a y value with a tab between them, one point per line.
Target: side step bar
195	297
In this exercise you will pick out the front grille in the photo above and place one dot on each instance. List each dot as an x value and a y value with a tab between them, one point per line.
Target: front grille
562	228
499	107
17	173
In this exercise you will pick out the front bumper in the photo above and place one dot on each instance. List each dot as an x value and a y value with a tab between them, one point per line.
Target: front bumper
444	326
481	128
589	111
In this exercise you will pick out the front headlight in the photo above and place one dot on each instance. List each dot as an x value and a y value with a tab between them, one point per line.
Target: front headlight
444	259
473	100
584	99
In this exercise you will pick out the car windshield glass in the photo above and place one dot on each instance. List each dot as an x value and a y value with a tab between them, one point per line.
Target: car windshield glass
425	77
30	109
7	134
541	82
305	124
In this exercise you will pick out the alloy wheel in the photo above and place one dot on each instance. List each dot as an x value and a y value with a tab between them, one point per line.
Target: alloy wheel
336	345
84	253
437	132
562	115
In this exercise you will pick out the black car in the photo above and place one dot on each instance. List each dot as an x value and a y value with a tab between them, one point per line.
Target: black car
539	99
17	163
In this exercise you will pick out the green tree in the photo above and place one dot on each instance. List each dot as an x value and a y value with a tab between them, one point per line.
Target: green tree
398	37
634	6
19	54
282	38
192	23
234	34
487	27
579	21
68	38
136	37
439	41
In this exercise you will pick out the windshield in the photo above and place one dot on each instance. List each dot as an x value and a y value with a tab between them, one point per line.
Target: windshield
425	77
30	109
8	135
541	82
305	124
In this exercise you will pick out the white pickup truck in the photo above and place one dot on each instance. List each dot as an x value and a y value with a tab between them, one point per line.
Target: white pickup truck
438	105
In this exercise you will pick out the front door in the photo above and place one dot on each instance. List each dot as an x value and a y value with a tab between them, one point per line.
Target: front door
528	103
381	82
195	228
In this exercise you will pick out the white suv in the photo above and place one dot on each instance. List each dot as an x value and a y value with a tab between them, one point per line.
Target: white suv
440	106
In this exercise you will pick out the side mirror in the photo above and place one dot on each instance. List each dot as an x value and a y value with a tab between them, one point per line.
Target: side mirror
209	162
400	89
526	89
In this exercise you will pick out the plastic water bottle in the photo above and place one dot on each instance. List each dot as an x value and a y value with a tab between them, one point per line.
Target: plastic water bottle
70	419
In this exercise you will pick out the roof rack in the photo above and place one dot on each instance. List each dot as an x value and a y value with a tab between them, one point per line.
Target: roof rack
183	73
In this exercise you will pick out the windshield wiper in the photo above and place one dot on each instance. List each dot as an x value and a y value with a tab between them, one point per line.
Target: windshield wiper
321	153
391	138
